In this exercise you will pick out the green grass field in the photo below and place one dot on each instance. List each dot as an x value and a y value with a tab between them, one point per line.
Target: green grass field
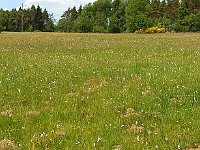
99	91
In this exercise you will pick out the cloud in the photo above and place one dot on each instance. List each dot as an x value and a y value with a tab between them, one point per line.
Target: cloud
57	7
5	8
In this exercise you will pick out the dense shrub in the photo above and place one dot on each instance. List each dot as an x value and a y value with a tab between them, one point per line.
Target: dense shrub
194	22
36	31
98	29
114	29
190	23
179	27
1	28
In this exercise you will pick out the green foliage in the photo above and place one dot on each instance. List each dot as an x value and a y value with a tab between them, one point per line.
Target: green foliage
100	19
101	10
84	23
118	19
114	29
189	23
155	10
172	10
49	27
194	22
120	16
191	6
38	18
33	19
30	29
113	15
94	17
67	23
136	14
62	25
98	29
1	28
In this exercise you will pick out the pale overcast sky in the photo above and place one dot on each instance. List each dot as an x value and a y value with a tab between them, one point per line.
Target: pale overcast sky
57	7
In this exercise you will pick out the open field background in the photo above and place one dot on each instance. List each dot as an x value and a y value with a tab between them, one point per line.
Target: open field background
100	91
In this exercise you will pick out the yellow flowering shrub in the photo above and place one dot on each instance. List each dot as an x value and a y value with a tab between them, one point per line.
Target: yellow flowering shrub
153	29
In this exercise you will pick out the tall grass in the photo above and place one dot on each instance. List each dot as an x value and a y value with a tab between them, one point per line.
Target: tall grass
100	91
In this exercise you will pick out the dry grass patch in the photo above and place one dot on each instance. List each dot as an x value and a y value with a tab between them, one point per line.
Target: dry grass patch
7	113
117	147
72	95
93	86
31	113
59	133
135	128
130	112
7	145
197	147
156	114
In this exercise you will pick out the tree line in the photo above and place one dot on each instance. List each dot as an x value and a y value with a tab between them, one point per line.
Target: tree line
132	15
31	19
113	16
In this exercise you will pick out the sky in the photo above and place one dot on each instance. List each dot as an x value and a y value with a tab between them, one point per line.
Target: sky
57	7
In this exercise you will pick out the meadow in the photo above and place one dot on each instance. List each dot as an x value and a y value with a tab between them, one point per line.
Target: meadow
62	91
